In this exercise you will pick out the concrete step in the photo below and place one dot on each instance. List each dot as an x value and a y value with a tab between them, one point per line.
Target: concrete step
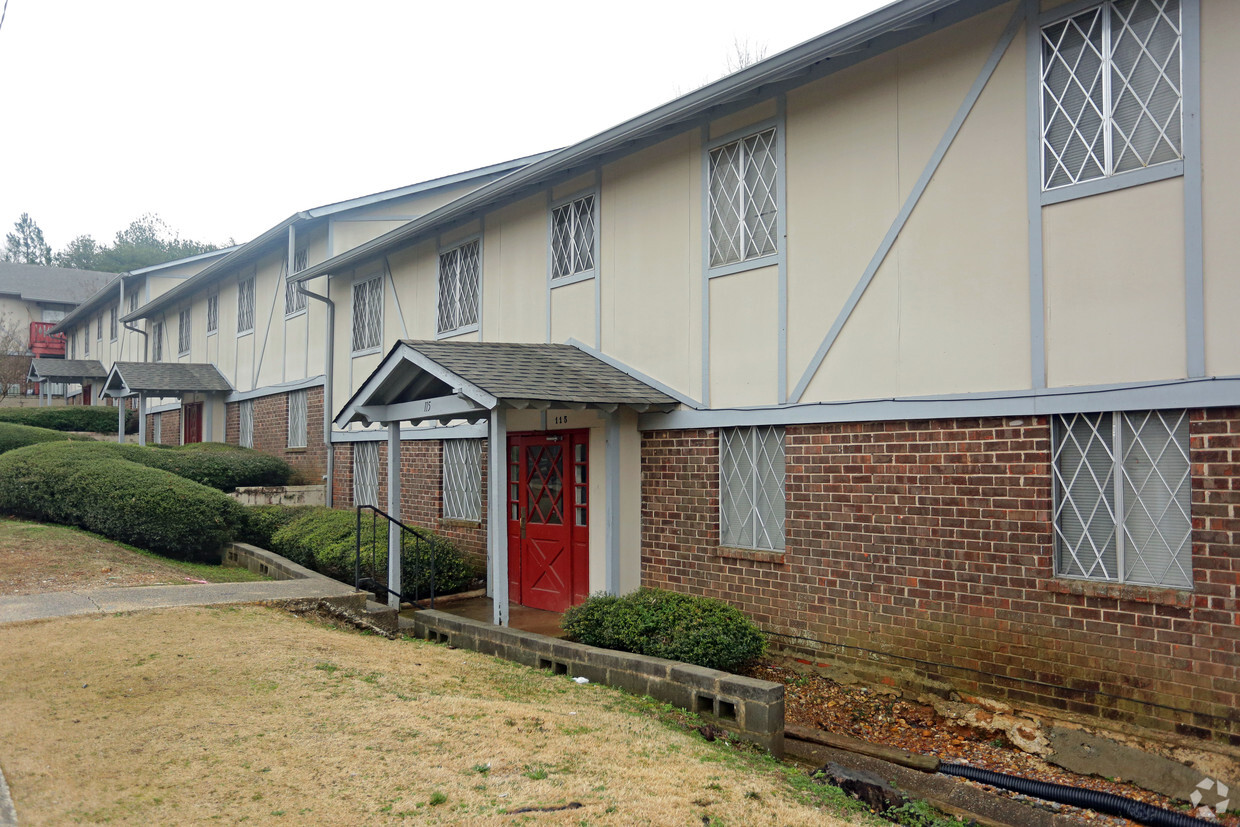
382	616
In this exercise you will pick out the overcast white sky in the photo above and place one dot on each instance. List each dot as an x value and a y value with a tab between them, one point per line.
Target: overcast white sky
225	117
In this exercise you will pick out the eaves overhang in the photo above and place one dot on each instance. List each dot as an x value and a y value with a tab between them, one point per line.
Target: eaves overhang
886	28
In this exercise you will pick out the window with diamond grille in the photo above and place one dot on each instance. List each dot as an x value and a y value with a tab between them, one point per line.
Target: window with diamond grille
157	428
133	302
294	299
572	238
213	313
743	211
99	327
1122	497
245	306
366	473
183	332
157	342
86	340
297	401
462	479
113	324
367	314
459	282
1111	91
751	487
245	416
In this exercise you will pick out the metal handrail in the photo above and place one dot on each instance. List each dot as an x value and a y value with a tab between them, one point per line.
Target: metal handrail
374	584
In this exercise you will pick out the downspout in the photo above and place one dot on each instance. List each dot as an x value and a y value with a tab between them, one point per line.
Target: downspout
141	397
327	384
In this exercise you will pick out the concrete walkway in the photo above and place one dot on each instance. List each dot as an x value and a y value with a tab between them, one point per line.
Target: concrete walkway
16	608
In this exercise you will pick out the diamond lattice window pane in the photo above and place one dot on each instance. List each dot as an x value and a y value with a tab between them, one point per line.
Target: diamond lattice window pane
367	314
183	332
572	238
213	313
751	487
366	473
1157	495
760	211
1073	103
726	205
1145	83
297	402
245	306
1084	474
462	479
769	487
245	414
459	287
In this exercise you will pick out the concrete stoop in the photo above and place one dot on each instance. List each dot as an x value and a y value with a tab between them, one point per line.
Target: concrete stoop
383	616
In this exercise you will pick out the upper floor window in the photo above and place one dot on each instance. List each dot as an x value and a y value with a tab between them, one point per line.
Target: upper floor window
1111	91
294	299
1123	497
157	342
113	324
73	346
573	238
245	306
183	332
460	282
99	327
743	206
86	340
213	313
751	487
133	302
367	314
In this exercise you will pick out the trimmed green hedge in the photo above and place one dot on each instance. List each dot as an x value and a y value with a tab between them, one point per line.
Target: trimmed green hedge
19	436
263	521
96	419
324	539
666	624
59	482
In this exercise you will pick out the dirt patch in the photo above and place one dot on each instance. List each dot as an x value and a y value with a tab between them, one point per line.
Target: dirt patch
37	558
882	717
251	713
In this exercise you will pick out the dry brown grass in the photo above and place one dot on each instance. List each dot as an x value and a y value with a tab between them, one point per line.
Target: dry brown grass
36	558
251	714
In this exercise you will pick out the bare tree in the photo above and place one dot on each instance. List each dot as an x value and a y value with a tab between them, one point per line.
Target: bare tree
744	54
14	355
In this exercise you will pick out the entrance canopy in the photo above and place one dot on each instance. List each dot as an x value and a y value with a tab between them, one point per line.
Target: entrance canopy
64	370
420	380
163	379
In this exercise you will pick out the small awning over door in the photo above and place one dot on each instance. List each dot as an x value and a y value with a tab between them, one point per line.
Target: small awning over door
419	381
64	370
164	379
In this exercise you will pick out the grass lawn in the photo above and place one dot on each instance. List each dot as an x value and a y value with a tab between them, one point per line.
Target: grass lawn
250	714
38	557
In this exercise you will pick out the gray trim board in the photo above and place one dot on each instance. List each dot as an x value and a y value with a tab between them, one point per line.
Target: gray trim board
1033	183
1119	181
704	136
1211	392
611	545
272	390
472	430
636	374
953	129
1194	233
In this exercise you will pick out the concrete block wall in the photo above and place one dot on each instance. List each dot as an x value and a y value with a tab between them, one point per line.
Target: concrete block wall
922	552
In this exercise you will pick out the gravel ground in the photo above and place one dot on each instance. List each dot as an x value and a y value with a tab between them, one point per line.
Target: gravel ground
881	717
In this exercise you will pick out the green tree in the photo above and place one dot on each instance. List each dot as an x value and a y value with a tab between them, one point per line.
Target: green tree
80	253
147	241
26	245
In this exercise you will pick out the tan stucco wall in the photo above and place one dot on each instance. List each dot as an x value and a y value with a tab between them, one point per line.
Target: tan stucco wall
514	273
744	322
572	312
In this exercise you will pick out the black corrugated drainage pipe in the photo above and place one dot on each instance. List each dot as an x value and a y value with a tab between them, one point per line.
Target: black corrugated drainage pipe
1107	803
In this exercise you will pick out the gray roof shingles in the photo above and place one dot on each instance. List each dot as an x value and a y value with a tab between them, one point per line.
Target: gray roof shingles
162	377
54	285
52	369
550	372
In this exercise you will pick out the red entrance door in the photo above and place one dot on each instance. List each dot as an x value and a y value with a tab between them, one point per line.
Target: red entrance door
86	394
548	519
193	422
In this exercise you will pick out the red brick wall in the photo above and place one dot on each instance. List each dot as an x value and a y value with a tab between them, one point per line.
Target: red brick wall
271	433
421	492
924	550
169	428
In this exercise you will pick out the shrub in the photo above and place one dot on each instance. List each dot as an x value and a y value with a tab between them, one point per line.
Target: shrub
60	482
18	436
324	539
665	624
95	419
263	521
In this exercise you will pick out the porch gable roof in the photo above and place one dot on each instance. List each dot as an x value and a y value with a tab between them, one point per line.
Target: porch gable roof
170	379
485	375
54	370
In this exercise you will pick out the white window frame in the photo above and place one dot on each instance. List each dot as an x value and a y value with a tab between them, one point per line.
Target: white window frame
458	319
245	287
372	312
565	214
1109	177
213	313
745	462
1137	492
366	473
245	423
114	322
184	332
740	139
298	418
294	299
157	342
99	331
461	481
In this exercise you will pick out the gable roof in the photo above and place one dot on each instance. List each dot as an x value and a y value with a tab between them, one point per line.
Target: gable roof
51	370
251	250
880	31
485	374
54	285
128	378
